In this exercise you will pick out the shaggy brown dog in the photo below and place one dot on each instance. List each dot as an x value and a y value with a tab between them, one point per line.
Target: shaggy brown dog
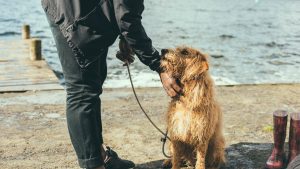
194	118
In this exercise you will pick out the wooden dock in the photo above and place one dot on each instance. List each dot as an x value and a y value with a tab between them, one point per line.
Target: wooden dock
19	73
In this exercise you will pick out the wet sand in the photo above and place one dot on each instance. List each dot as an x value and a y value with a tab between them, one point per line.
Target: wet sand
34	133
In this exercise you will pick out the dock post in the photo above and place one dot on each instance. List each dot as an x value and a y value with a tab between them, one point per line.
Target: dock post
26	32
35	49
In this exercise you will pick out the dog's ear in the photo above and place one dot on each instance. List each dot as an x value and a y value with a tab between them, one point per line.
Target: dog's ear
204	61
194	69
205	66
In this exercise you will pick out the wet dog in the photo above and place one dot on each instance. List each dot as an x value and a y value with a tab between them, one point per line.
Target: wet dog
194	118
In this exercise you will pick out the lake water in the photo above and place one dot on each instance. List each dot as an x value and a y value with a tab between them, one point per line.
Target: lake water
251	41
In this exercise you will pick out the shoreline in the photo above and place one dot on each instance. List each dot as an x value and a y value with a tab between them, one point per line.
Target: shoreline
34	132
160	87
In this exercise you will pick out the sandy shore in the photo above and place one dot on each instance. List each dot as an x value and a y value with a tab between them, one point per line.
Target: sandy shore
34	133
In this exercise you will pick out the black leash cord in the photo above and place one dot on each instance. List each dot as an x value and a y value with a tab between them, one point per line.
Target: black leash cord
138	101
163	139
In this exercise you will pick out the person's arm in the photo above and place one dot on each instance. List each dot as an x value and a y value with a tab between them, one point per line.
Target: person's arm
129	15
129	19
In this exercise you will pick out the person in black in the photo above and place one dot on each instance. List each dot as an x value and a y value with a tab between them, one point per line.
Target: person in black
83	30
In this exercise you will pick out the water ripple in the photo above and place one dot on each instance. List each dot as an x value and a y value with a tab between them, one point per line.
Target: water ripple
10	33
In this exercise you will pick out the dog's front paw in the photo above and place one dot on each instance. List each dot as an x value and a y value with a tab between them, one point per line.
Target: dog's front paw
167	163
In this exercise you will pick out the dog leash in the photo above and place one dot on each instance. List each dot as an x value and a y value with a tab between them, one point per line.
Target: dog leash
163	139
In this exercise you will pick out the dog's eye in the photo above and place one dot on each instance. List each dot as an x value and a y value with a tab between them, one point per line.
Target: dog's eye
164	51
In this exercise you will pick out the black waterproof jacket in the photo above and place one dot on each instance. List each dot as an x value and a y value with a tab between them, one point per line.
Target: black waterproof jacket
90	26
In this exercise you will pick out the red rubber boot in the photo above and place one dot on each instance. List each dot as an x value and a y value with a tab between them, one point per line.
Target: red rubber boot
277	159
294	138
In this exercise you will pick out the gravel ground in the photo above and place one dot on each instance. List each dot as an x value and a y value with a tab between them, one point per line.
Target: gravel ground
34	133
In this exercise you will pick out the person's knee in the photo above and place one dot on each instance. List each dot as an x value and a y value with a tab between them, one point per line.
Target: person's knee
82	93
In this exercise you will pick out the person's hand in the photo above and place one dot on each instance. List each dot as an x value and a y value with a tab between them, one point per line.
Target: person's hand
126	53
170	85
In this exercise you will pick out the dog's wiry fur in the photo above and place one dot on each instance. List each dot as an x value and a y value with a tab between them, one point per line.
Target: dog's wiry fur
194	118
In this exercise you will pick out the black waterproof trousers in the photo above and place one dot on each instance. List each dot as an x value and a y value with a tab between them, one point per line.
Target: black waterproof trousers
83	87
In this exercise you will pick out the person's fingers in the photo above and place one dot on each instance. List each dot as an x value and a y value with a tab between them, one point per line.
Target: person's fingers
171	92
125	57
119	57
176	87
130	59
122	59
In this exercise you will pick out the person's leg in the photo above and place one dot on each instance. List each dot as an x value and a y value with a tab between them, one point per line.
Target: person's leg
83	88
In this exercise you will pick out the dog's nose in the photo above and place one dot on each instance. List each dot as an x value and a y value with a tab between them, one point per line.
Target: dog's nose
164	51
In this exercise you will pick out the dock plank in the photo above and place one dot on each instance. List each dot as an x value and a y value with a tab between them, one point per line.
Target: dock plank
19	73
